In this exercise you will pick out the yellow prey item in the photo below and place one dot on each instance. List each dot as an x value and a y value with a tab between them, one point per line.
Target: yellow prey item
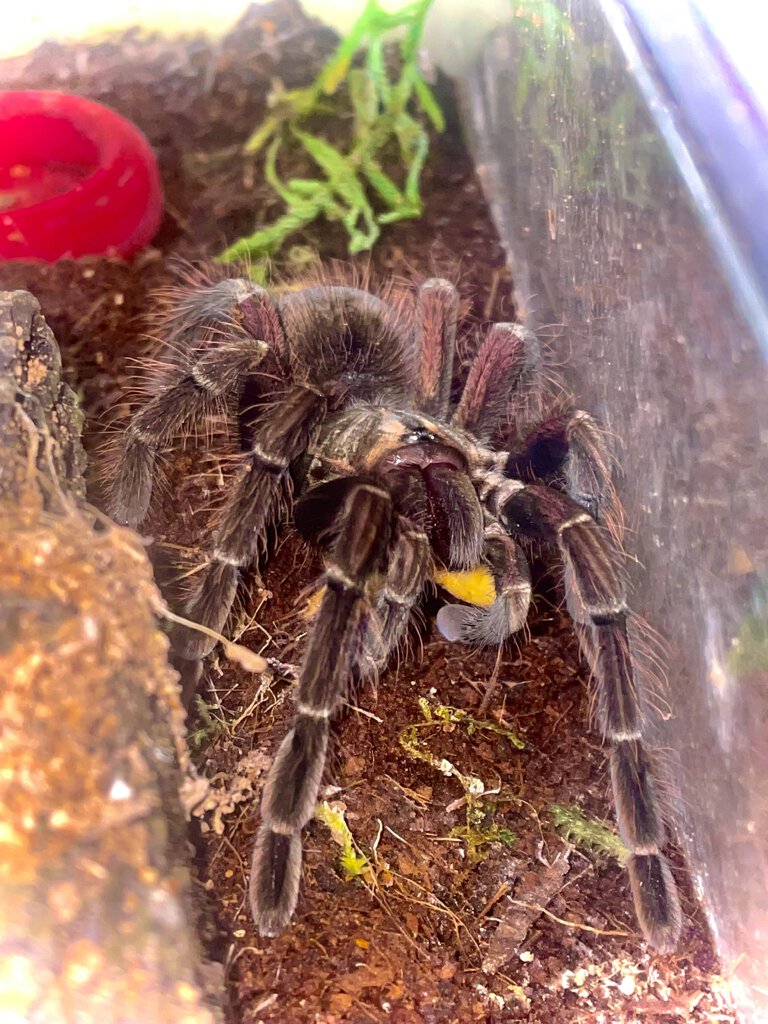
475	586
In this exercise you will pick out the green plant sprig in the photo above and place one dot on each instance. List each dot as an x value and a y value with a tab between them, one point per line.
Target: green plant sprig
479	829
352	860
349	179
587	834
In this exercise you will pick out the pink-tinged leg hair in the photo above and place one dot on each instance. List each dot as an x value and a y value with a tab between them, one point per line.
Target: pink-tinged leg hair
503	377
588	473
410	564
437	310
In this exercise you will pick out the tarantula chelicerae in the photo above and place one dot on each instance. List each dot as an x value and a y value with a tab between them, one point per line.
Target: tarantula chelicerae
343	400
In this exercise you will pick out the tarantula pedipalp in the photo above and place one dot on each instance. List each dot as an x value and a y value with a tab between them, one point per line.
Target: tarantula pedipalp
350	425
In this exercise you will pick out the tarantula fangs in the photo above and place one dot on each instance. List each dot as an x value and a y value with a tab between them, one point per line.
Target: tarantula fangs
342	402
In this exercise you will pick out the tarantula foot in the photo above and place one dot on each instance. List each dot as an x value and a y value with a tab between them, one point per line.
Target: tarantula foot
656	900
274	885
132	492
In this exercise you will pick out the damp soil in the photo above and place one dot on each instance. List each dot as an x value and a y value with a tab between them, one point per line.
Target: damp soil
435	926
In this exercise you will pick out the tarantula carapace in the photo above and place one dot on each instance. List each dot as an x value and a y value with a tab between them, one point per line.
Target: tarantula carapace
344	405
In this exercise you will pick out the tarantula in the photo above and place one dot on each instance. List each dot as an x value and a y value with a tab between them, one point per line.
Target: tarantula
343	400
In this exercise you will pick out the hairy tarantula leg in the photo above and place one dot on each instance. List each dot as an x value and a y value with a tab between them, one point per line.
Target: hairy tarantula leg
290	792
437	310
200	311
598	599
493	623
504	371
215	334
248	511
316	519
572	448
588	473
188	397
408	571
458	516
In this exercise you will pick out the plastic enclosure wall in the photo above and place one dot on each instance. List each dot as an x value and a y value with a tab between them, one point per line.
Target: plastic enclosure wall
629	255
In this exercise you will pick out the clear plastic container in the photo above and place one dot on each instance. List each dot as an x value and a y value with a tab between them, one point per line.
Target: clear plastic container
627	167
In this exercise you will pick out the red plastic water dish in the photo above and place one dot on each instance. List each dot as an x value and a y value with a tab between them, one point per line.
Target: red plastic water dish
76	179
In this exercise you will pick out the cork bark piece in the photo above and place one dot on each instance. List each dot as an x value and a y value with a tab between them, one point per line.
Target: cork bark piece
97	921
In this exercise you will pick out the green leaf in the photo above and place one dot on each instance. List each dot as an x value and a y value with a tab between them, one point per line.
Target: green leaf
262	135
330	159
341	176
364	103
428	103
377	72
588	834
303	187
268	240
383	184
352	860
